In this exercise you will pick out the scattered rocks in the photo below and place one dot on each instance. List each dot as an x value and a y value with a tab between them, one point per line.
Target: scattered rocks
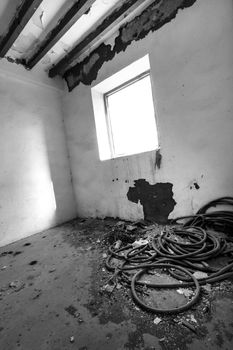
131	228
72	339
17	285
17	253
72	311
162	339
207	287
192	318
186	292
52	270
188	325
6	253
118	244
206	309
157	320
108	288
36	294
139	243
120	224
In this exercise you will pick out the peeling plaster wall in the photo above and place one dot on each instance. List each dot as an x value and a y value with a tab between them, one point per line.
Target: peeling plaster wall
192	74
149	20
35	184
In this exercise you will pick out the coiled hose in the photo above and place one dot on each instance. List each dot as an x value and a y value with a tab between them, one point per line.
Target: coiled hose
180	250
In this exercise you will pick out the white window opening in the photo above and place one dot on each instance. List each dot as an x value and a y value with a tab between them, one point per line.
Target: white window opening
125	113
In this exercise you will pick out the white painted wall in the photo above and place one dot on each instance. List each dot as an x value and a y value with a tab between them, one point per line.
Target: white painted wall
192	72
35	185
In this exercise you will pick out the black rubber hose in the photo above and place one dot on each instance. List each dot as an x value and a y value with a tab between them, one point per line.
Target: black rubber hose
158	310
186	247
187	233
136	251
215	202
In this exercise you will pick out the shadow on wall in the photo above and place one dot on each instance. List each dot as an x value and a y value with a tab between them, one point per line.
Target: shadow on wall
157	200
59	170
41	195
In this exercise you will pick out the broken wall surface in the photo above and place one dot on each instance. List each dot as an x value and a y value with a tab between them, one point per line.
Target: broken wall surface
35	184
191	68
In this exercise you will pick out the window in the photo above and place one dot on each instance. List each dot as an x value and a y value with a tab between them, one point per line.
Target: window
124	112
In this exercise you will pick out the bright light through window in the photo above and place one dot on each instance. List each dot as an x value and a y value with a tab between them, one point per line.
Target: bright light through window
124	112
131	118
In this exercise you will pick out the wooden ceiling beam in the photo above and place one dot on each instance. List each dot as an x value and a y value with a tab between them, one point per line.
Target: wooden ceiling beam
21	18
65	23
114	18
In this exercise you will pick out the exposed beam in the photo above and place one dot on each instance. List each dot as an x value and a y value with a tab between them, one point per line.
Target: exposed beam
64	24
21	18
113	19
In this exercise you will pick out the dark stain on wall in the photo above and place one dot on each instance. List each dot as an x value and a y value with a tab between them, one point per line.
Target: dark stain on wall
194	185
158	159
157	200
150	20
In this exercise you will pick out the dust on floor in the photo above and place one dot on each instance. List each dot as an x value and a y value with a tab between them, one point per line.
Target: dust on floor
51	297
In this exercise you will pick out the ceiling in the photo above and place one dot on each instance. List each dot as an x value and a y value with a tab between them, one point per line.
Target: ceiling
59	35
46	18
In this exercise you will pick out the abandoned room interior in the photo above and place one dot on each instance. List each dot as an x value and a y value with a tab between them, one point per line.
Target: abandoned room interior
116	190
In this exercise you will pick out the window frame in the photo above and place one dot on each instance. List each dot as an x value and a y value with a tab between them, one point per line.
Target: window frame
120	87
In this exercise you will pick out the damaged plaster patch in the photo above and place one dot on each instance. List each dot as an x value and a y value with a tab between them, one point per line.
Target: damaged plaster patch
38	17
150	20
111	41
76	75
157	200
90	63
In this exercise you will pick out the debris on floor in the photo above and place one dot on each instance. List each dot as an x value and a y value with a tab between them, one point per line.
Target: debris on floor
131	228
178	258
157	320
207	287
69	308
188	293
188	325
72	311
72	339
139	243
17	285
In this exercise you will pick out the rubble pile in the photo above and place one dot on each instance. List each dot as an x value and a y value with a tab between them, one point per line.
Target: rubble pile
177	257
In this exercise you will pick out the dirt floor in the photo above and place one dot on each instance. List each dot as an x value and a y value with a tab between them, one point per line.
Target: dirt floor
52	297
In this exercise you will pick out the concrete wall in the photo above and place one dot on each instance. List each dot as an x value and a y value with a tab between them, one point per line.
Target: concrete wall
35	184
192	71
